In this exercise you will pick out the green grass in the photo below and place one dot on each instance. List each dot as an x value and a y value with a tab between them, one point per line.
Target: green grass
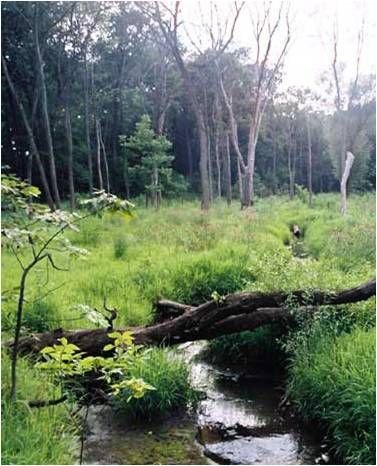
34	436
169	375
184	254
333	381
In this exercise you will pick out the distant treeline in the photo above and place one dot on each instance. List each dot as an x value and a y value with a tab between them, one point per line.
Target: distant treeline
87	73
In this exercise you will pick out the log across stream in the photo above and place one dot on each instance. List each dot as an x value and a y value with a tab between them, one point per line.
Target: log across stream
233	313
238	422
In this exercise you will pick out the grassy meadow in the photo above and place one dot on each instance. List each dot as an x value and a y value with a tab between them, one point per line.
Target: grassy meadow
184	254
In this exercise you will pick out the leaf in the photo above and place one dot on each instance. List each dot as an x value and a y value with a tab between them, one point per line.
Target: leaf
108	347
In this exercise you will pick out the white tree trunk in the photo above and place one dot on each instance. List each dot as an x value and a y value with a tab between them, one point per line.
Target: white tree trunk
343	185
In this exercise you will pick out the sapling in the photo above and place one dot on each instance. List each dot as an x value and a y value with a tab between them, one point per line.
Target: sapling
35	235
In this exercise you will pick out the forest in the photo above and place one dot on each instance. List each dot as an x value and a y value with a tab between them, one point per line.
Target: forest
188	233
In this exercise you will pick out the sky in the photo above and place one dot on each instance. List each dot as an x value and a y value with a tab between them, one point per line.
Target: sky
310	53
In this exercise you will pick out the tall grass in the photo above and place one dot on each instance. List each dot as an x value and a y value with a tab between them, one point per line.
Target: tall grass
333	381
34	436
169	376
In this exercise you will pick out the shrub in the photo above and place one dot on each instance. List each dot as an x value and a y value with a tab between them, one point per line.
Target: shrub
120	247
169	376
332	381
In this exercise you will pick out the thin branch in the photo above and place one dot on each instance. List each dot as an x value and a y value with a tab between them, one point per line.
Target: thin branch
17	257
51	260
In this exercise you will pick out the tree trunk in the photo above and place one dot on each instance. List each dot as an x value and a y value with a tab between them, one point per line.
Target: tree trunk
189	152
216	118
249	176
46	118
104	158
309	160
203	165
29	131
274	163
343	185
228	171
125	175
291	171
68	130
210	176
240	183
87	126
235	313
99	170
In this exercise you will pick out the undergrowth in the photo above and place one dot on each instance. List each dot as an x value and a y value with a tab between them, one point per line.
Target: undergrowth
169	375
184	254
333	381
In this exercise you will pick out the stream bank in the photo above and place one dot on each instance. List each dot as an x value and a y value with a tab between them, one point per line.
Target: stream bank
238	421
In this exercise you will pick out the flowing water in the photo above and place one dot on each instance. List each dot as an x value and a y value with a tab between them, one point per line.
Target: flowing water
237	422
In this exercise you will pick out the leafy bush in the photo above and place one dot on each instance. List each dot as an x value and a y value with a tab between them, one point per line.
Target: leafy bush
333	380
170	378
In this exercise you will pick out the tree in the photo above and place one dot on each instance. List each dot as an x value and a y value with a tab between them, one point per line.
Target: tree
33	228
152	159
347	134
264	80
169	29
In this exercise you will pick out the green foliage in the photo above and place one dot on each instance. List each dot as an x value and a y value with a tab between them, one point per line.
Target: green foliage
170	378
37	316
65	360
151	162
120	247
332	381
252	348
34	436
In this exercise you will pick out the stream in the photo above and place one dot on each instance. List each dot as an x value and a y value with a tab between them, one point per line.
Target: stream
238	421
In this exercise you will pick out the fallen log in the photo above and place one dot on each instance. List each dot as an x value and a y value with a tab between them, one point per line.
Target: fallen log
231	314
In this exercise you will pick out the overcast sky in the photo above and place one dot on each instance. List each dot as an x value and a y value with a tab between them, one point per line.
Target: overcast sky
310	52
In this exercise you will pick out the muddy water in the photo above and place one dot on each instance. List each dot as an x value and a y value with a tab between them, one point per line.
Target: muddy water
237	422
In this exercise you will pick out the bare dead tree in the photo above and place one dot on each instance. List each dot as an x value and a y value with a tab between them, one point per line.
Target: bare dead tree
343	184
344	102
265	30
168	21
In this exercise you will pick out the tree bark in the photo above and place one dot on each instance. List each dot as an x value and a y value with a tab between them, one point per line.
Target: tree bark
210	176
46	118
99	170
228	171
240	183
68	129
87	124
343	185
29	131
310	189
233	314
104	157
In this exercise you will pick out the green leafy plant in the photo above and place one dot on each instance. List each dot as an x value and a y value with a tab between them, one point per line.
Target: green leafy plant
35	234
